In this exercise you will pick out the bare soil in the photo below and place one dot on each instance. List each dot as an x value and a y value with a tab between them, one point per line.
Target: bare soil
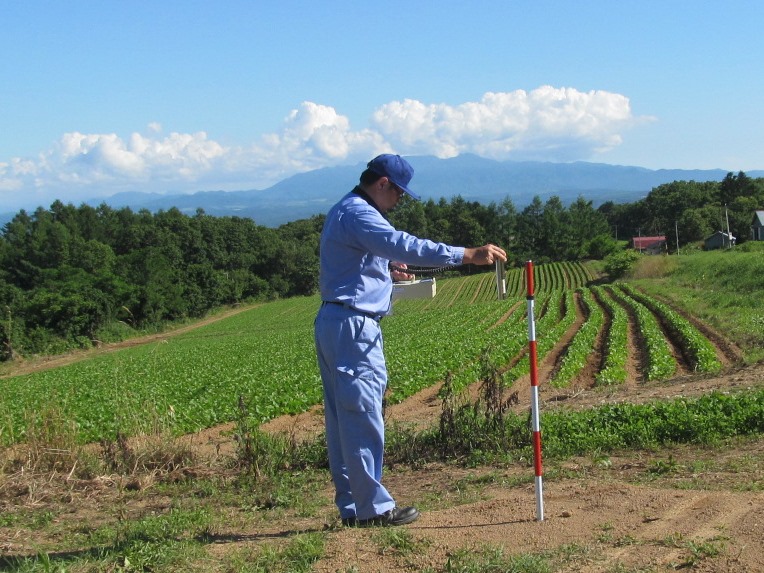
691	508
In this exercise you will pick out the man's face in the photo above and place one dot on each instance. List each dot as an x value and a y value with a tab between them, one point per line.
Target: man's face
392	195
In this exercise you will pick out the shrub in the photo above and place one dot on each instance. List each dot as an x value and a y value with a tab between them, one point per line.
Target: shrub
618	264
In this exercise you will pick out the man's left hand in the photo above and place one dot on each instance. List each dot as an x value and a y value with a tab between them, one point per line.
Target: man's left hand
399	275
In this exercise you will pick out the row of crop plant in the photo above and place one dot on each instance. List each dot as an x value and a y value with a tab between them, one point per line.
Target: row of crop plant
564	275
698	349
654	321
613	370
661	363
580	348
557	314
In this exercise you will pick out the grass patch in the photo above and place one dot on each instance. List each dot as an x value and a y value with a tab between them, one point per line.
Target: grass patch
490	559
494	560
296	556
479	433
154	543
695	550
399	542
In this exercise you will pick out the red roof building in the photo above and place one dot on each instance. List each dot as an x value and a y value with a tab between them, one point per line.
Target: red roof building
649	245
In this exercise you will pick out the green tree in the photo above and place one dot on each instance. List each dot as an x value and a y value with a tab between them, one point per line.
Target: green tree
585	225
529	233
409	215
506	224
694	225
734	186
555	239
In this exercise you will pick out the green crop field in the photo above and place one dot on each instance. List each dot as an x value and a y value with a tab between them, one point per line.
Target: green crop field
265	355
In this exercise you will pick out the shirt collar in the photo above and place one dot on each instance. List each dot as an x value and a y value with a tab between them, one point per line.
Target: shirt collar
365	196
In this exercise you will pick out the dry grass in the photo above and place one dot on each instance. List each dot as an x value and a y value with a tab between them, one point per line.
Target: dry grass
653	267
51	460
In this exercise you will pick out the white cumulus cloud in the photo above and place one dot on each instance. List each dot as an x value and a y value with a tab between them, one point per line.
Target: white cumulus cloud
547	123
554	124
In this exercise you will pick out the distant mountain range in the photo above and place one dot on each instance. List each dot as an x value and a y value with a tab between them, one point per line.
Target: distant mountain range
472	177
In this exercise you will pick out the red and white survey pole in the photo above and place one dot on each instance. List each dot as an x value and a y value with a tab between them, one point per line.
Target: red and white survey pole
534	392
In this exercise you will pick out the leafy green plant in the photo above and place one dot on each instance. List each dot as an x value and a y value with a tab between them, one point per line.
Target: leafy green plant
614	363
704	420
620	263
701	352
582	345
192	380
661	362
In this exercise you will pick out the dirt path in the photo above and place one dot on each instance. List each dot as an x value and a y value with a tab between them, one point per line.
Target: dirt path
30	365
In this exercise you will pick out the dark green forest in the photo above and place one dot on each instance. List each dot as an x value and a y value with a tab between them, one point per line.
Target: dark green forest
72	277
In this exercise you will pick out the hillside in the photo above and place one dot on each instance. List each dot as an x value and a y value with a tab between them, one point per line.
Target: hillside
681	507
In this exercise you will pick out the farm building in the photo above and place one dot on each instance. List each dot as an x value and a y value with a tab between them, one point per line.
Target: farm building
719	240
649	245
757	226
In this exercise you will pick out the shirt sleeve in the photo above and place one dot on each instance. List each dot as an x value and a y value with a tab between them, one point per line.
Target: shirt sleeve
379	237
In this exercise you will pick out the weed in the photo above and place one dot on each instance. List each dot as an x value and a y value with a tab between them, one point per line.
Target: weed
478	429
51	442
697	550
493	560
602	461
661	467
674	539
397	541
607	533
272	464
700	550
625	541
264	455
156	452
297	556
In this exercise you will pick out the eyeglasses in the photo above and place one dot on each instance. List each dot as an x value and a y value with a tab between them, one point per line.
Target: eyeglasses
397	189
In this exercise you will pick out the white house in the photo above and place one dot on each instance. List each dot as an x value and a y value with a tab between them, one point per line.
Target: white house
757	226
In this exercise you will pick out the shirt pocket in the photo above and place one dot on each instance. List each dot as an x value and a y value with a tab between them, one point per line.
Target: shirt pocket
358	391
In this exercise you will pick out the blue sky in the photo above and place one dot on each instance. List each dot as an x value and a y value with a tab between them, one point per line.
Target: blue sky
99	97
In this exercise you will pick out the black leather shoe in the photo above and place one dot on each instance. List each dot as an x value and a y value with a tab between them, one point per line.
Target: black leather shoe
349	521
395	516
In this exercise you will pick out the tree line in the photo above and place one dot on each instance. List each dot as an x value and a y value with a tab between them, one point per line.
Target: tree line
687	212
76	276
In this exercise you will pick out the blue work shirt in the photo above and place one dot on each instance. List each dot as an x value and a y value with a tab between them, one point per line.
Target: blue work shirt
357	245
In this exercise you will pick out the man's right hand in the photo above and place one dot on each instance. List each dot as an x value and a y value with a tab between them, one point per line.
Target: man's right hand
485	255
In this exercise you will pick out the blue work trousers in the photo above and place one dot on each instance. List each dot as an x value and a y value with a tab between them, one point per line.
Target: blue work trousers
354	375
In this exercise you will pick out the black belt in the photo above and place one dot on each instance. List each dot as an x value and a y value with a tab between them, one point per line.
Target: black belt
371	315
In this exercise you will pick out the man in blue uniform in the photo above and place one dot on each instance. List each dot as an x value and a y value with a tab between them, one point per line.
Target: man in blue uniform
358	244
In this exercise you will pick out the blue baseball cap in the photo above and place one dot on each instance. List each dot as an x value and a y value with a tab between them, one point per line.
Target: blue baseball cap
396	169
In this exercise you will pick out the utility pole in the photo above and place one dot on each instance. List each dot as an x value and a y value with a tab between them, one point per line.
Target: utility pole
728	240
676	232
8	340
